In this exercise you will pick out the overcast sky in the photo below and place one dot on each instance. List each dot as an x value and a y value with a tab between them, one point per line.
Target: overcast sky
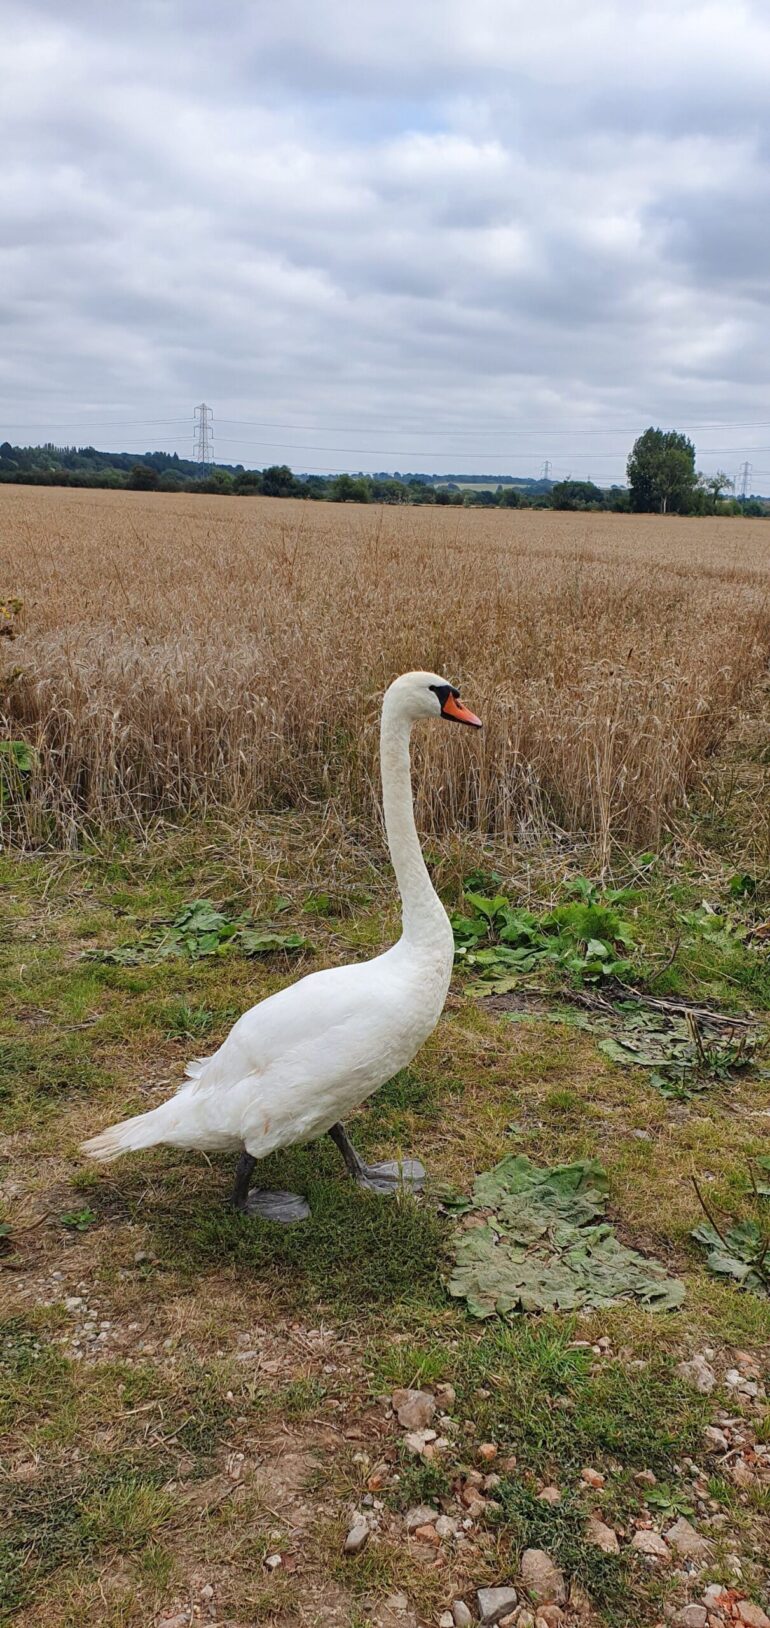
462	235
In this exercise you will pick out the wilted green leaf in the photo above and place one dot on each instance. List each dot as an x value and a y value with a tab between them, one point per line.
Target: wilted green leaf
742	1253
546	1248
199	930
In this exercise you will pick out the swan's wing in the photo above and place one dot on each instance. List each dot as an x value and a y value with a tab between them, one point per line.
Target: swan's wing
304	1012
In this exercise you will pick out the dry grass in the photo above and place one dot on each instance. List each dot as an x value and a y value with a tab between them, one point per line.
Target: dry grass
188	654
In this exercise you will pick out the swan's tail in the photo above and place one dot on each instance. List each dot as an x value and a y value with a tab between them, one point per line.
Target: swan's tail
143	1131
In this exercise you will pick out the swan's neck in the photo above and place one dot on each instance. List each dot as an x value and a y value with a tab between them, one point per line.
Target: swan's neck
423	915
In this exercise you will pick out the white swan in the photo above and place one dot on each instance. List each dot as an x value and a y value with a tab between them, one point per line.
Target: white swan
295	1064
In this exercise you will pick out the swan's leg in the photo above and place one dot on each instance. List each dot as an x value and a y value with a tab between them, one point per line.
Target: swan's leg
285	1207
379	1178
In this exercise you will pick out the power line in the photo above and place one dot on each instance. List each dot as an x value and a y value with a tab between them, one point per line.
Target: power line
431	452
96	424
606	427
537	429
203	448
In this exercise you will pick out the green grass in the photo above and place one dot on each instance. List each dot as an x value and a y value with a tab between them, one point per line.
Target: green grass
527	1523
556	1409
63	1519
82	1044
357	1250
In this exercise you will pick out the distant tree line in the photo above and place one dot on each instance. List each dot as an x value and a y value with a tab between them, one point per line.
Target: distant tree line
662	479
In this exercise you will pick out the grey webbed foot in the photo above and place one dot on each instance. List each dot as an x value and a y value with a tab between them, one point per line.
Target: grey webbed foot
285	1208
392	1176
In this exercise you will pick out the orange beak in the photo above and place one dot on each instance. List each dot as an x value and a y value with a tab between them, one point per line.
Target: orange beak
459	714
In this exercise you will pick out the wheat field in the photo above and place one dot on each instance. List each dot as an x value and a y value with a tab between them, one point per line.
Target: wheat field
179	654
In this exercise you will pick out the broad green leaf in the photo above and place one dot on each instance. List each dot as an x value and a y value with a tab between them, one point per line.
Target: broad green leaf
546	1246
488	908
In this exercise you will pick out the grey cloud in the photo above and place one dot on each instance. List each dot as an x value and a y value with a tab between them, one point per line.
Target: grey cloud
458	221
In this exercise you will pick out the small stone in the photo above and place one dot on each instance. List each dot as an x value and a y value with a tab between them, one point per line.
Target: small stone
691	1616
549	1616
357	1538
273	1562
602	1536
415	1409
741	1473
421	1515
715	1440
446	1526
487	1452
525	1619
697	1372
427	1534
592	1478
446	1620
687	1542
543	1580
733	1378
420	1442
495	1603
646	1478
549	1495
752	1615
650	1543
712	1598
73	1302
492	1482
461	1614
446	1396
207	1592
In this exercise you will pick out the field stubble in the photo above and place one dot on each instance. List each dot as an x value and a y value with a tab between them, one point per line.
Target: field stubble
181	654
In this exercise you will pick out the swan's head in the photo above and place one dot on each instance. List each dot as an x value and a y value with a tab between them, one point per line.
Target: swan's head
427	695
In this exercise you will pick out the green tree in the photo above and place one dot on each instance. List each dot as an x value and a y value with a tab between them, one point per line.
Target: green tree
661	473
576	494
712	487
345	489
143	478
220	481
278	481
248	483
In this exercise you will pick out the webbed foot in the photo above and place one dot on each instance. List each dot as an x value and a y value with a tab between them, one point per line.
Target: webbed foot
393	1176
285	1208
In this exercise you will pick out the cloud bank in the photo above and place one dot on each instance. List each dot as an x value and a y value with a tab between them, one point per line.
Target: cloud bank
441	237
